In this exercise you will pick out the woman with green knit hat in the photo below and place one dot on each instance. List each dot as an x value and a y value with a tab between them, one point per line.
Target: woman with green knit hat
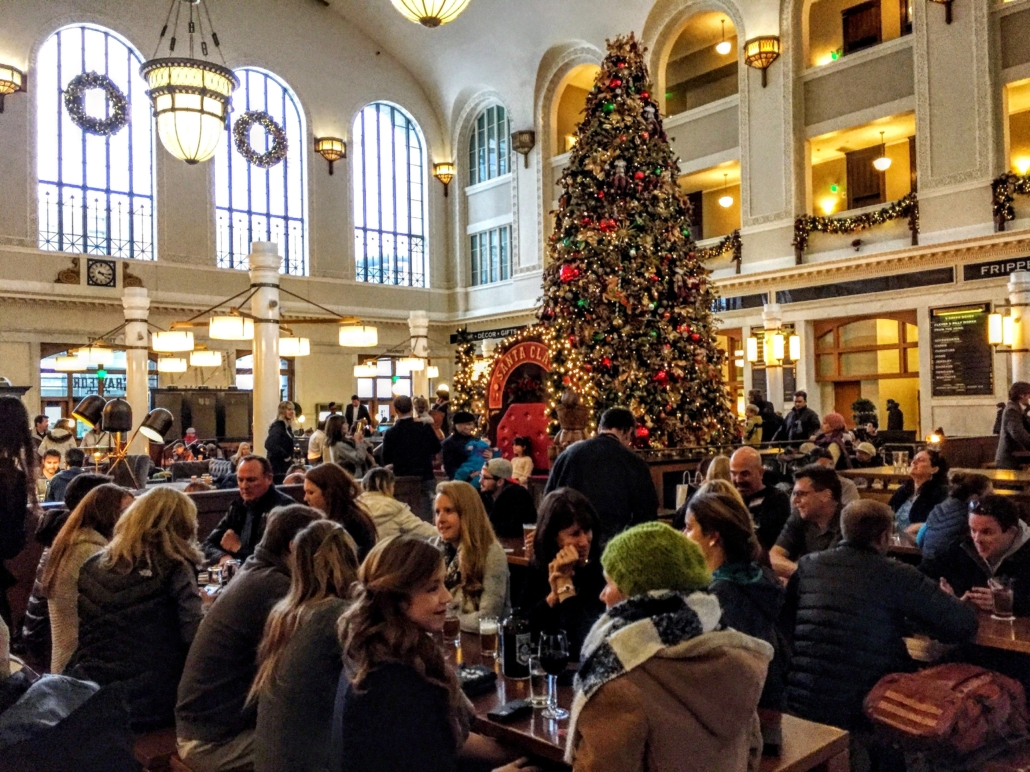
662	687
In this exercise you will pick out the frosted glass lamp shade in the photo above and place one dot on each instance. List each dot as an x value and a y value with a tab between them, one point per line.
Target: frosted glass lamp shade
191	100
411	364
230	328
205	359
366	371
430	13
994	329
358	336
752	349
171	364
70	364
432	371
172	341
294	347
794	347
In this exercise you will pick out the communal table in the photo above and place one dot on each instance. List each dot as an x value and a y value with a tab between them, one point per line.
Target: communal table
1011	479
515	549
806	745
998	634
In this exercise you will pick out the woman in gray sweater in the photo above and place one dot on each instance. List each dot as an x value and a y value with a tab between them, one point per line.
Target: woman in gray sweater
300	657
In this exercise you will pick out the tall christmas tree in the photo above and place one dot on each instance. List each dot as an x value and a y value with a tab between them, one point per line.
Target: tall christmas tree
623	286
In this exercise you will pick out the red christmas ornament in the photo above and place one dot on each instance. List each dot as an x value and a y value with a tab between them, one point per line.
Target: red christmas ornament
644	95
615	82
622	138
607	362
566	381
600	194
683	328
639	175
569	273
588	368
695	337
608	225
584	221
644	135
643	432
661	377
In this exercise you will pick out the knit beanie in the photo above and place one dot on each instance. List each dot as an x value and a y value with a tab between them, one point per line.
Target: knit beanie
654	556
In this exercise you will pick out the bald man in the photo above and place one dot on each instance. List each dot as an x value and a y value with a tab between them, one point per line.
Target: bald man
770	507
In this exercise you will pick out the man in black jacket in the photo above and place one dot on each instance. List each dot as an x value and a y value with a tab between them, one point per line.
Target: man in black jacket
769	507
801	423
410	446
453	448
213	724
815	525
849	608
357	412
605	470
241	529
997	545
74	458
509	505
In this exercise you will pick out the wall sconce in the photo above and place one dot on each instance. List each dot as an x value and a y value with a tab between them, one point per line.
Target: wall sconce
774	349
761	52
445	173
331	149
947	9
523	142
752	349
1001	328
12	80
794	347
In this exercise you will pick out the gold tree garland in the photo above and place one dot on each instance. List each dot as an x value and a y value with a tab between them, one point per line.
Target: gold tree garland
731	243
1003	191
907	206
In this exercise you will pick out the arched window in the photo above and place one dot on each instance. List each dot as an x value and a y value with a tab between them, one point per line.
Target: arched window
96	193
389	197
257	204
489	152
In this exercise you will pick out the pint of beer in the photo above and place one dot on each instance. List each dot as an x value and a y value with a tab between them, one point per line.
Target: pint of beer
488	636
452	627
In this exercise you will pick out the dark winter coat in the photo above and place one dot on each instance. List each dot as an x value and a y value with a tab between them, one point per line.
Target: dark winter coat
848	608
769	508
410	446
35	626
947	522
751	598
771	422
59	482
398	722
799	425
135	630
279	447
14	509
236	519
895	419
452	452
222	662
615	479
513	508
575	615
964	569
932	493
1012	438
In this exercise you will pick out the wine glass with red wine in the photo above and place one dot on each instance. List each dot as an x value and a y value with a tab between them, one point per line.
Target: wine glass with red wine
554	658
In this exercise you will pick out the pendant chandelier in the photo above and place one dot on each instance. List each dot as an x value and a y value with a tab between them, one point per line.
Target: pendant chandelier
191	97
431	13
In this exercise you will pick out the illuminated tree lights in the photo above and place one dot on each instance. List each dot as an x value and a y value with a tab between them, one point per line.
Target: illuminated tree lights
907	206
626	302
1003	191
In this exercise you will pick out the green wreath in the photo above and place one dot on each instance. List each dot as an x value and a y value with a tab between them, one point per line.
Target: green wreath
75	103
241	134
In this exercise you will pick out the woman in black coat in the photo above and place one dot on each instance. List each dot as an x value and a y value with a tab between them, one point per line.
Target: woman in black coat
564	578
279	443
17	482
926	487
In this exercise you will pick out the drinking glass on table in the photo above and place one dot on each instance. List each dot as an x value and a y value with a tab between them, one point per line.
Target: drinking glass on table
554	658
1003	597
488	636
539	682
452	626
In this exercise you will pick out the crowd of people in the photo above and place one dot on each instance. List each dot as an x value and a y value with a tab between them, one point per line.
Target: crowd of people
324	652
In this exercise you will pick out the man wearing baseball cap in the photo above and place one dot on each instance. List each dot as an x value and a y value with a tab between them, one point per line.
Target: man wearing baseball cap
509	505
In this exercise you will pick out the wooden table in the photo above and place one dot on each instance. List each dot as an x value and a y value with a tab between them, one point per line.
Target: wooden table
1010	636
1001	478
515	549
806	746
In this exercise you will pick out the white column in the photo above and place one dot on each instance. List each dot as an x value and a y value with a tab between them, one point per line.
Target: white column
264	305
136	305
1019	297
418	326
772	319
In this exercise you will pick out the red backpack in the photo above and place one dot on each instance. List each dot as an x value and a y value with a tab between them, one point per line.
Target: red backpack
954	708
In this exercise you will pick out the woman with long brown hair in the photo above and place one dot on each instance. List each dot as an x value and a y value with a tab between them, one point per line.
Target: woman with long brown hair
329	489
139	606
299	657
87	530
399	707
17	481
477	568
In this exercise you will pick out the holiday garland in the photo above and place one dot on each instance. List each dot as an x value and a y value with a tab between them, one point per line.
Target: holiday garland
241	135
75	103
908	206
731	243
1003	190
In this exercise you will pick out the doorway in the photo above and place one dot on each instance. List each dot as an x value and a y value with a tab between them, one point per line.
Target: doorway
844	394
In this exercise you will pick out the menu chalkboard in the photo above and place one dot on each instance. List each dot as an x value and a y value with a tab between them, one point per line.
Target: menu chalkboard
963	360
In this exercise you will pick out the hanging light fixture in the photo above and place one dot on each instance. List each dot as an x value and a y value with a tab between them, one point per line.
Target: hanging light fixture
191	97
294	347
1008	330
778	349
69	364
12	80
171	364
432	372
411	364
725	200
96	355
724	46
883	163
169	341
794	347
205	359
752	349
366	370
230	328
431	13
358	336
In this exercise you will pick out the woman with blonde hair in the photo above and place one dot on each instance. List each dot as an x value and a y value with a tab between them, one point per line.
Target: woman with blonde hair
720	487
242	451
718	469
279	443
86	531
477	568
299	657
399	707
329	489
390	516
139	606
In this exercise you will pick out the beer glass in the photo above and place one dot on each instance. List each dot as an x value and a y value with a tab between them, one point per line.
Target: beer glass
488	637
452	627
1002	595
